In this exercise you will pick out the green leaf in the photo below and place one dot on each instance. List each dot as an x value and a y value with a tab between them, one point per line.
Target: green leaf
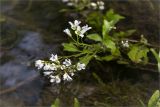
111	45
155	98
142	103
113	17
94	37
137	53
85	59
95	19
76	103
56	103
106	28
122	62
123	34
70	47
98	79
157	57
130	32
108	58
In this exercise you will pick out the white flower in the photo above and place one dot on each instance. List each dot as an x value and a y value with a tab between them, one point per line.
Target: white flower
53	67
70	4
94	5
80	66
47	73
72	74
46	67
67	77
101	5
54	57
63	67
67	62
80	31
67	31
65	1
125	43
55	79
75	24
39	64
84	30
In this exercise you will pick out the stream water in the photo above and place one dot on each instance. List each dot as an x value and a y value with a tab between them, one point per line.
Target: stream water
34	31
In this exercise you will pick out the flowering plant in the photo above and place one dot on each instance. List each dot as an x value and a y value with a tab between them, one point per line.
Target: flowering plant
102	43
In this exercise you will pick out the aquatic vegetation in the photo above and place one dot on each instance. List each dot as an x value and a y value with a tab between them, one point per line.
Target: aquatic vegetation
104	42
154	100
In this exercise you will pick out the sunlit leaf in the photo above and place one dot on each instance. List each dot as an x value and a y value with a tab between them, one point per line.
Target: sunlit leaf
85	59
76	103
70	47
106	28
94	37
155	98
137	53
110	44
56	103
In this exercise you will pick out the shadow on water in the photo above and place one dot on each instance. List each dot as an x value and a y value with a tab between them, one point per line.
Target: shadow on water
33	30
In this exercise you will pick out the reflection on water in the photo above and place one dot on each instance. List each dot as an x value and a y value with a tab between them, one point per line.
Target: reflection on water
34	33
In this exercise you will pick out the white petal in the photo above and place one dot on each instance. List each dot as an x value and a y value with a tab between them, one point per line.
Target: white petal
47	73
67	31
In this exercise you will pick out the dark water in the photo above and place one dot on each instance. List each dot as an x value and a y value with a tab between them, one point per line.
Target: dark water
33	30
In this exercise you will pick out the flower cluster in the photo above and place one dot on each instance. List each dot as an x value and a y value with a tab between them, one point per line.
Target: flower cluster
79	31
56	71
92	5
125	43
98	5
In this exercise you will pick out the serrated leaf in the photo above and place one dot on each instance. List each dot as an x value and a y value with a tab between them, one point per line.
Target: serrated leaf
85	59
153	101
70	47
56	103
94	37
76	103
